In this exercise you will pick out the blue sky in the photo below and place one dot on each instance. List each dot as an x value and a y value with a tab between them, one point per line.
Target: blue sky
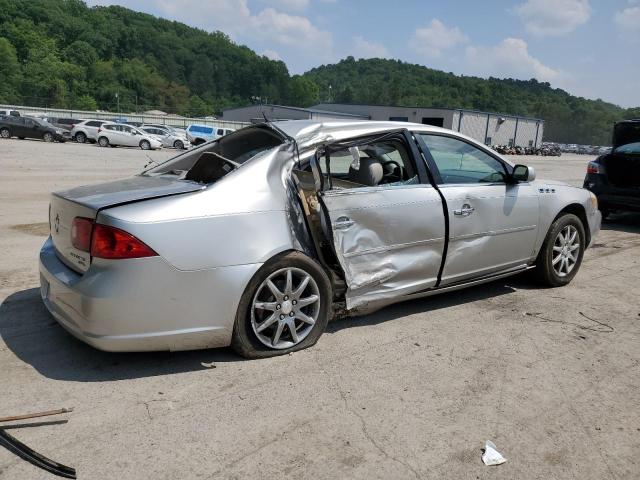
587	47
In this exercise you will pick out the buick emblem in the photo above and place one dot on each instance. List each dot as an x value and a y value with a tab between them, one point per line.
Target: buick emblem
56	223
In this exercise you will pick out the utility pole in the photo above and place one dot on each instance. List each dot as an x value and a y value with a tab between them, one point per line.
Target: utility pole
118	100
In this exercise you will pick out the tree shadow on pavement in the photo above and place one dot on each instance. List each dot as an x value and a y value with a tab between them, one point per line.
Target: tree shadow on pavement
32	334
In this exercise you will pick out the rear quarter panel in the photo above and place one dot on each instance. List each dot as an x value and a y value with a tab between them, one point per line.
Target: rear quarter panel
242	219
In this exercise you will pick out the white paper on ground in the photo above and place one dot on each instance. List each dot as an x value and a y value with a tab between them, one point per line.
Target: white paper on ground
491	456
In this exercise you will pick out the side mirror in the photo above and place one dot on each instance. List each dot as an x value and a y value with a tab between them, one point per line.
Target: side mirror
522	173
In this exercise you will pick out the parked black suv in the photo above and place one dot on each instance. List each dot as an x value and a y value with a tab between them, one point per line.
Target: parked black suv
30	127
615	178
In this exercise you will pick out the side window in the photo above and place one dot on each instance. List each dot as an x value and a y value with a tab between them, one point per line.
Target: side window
126	129
460	162
220	132
379	163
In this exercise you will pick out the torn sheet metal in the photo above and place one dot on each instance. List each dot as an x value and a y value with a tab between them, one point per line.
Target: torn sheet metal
389	241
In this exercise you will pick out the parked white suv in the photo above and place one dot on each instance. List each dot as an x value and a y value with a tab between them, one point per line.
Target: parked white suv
120	134
86	131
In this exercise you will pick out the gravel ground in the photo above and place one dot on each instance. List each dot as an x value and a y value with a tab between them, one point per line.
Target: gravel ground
552	377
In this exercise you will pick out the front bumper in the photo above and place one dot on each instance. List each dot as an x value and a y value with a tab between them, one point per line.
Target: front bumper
143	304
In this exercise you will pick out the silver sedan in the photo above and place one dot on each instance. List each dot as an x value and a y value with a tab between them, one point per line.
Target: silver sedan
256	239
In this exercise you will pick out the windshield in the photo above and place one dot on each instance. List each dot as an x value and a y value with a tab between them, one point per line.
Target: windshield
238	147
629	148
42	122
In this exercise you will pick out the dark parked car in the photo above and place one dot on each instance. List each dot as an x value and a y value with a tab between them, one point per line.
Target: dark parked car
615	177
64	123
30	127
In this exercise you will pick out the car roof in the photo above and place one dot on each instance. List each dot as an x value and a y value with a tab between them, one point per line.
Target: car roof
304	131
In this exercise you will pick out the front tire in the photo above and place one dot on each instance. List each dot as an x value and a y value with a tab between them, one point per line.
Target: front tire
285	308
48	137
103	141
561	254
145	145
178	144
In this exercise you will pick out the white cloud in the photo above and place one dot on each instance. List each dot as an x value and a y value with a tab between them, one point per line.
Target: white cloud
272	55
290	30
436	37
288	4
553	17
510	58
628	19
365	49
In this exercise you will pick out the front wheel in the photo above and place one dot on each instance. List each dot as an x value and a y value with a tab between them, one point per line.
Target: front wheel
145	145
48	137
561	255
285	308
103	141
178	144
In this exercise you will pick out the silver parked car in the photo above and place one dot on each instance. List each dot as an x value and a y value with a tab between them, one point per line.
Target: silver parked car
168	137
86	130
253	240
122	135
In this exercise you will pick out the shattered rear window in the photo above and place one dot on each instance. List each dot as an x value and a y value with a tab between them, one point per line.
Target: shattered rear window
237	148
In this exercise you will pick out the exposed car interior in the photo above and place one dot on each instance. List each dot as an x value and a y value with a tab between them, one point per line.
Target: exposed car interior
209	164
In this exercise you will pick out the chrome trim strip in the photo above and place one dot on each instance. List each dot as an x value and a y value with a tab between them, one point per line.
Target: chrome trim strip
494	233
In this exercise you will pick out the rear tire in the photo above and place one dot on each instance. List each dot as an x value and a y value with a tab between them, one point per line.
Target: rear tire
266	320
81	137
5	133
561	254
145	145
103	141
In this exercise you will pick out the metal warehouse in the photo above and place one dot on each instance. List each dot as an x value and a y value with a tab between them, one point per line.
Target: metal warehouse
258	112
486	127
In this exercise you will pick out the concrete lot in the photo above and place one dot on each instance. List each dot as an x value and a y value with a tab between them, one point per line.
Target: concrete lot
552	377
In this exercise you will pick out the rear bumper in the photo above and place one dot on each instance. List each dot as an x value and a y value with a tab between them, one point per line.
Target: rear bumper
611	197
143	304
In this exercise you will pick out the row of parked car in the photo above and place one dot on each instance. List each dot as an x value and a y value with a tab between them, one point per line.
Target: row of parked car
545	150
106	133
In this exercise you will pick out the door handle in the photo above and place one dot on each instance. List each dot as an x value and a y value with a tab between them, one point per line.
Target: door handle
342	223
465	211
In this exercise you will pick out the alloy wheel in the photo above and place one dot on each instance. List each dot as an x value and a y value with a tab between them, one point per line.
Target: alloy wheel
285	308
144	145
48	137
566	251
5	133
81	137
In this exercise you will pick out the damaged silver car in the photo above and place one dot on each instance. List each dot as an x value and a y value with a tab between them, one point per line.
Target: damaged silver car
256	239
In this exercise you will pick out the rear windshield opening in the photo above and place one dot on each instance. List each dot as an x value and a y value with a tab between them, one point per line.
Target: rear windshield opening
229	151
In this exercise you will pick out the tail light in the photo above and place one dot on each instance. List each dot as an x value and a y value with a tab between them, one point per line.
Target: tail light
81	233
594	167
103	241
113	243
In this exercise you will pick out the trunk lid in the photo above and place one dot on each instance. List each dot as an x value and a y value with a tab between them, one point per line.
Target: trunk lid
87	201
